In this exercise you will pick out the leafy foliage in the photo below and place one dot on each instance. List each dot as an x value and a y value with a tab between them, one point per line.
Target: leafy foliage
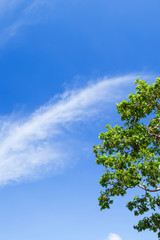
131	155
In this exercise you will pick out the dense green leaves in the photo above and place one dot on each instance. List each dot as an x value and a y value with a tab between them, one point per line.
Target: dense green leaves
131	155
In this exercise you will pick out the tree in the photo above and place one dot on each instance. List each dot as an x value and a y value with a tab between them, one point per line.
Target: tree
131	155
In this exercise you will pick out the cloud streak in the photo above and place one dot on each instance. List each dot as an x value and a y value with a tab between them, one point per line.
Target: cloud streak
113	236
16	14
32	145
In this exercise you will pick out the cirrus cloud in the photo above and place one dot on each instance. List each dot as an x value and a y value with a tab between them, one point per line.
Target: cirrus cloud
16	14
113	236
32	145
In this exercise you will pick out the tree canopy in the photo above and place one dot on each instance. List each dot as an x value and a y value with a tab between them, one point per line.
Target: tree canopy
130	155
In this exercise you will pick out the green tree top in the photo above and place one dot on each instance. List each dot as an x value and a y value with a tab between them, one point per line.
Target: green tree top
131	155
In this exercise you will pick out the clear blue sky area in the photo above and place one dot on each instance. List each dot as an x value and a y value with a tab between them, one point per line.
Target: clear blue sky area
64	64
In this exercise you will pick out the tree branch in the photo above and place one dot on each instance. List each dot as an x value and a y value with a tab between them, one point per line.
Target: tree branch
149	190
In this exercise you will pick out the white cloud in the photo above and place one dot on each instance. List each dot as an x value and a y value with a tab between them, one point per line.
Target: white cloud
16	14
30	146
113	236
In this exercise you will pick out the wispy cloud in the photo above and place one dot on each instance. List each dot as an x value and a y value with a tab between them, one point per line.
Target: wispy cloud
113	236
34	144
16	14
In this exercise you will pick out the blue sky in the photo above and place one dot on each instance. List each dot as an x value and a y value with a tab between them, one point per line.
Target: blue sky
64	64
